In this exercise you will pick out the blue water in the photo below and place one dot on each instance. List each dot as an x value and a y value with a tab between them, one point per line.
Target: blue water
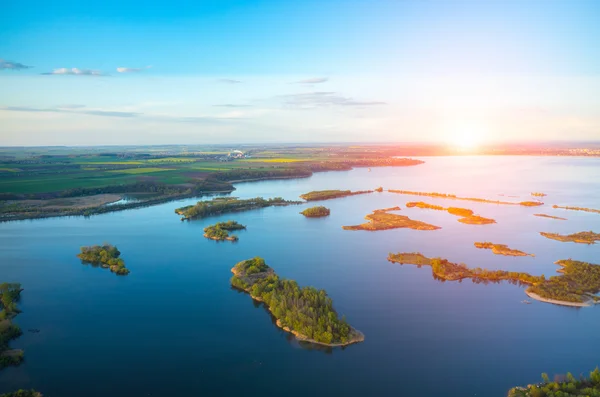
175	327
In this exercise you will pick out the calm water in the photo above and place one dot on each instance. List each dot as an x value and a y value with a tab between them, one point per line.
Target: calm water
174	326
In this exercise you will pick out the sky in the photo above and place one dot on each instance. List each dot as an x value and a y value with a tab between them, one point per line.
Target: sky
207	72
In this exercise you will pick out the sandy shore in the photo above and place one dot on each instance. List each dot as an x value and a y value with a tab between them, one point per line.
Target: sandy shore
557	302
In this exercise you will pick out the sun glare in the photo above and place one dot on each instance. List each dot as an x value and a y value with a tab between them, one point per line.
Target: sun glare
466	135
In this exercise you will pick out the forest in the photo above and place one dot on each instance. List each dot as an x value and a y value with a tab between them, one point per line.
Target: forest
316	212
106	255
562	386
10	294
221	205
220	231
305	311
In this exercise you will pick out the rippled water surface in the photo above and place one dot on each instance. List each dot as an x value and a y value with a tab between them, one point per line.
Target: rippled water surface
175	327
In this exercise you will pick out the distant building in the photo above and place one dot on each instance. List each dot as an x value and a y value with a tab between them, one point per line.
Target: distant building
236	154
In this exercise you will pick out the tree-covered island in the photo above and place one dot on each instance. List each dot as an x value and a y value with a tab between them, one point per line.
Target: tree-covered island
467	215
562	386
106	256
316	212
222	205
381	220
305	312
319	195
577	285
550	217
10	294
581	237
220	231
501	249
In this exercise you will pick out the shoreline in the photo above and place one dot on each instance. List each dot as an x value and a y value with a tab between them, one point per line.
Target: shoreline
557	302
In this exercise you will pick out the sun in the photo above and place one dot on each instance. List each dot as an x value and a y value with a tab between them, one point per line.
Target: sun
466	135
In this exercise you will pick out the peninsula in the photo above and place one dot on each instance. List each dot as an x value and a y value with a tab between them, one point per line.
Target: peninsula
10	294
222	205
581	237
466	215
577	285
577	209
550	217
454	197
220	231
305	312
566	385
316	212
381	220
106	256
501	249
319	195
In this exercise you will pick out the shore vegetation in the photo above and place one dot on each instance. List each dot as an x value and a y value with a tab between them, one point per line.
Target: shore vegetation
562	386
10	293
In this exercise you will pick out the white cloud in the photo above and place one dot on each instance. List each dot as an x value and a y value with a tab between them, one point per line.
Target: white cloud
12	65
76	72
132	70
314	80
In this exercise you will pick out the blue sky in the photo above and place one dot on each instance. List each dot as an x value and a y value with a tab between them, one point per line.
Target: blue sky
277	71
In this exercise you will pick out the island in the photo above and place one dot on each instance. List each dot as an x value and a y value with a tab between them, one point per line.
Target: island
538	194
550	217
316	212
501	249
319	195
577	209
563	385
305	312
577	284
379	189
22	393
220	231
106	256
10	294
581	237
221	205
466	215
455	197
381	220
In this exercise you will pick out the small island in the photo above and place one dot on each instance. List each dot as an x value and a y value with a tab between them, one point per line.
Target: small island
379	189
106	256
222	205
577	209
10	294
466	215
576	286
455	197
581	237
316	212
305	312
381	220
501	249
220	231
22	393
538	194
550	217
563	385
319	195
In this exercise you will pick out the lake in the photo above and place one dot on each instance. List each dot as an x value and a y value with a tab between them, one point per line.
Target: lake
174	326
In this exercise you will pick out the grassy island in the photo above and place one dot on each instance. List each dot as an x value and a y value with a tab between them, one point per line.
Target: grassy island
501	249
10	294
581	237
107	256
316	212
550	217
22	393
466	215
305	312
222	205
319	195
220	231
381	220
575	286
455	197
577	209
563	386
